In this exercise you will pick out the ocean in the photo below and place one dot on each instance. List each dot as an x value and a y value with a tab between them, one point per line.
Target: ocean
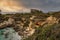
9	34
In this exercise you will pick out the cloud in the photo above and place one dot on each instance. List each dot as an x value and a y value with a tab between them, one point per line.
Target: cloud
46	5
11	6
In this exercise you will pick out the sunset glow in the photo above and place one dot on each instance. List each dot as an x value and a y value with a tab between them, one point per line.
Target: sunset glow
10	6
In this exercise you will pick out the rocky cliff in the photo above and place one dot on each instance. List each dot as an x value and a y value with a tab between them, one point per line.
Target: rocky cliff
26	27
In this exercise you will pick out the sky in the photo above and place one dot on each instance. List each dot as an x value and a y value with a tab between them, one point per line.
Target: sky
45	5
17	5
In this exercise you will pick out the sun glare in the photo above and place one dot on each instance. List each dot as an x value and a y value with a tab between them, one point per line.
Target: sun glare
10	6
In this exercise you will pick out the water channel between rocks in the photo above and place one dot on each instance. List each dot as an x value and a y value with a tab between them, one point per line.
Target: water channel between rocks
9	34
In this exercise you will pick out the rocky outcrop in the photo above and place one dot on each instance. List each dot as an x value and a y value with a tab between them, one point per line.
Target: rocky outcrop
51	20
25	31
7	23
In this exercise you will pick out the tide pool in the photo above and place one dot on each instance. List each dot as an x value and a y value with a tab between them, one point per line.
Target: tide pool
9	34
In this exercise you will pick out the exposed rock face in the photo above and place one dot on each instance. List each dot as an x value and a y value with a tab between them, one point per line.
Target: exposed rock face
51	20
7	23
28	30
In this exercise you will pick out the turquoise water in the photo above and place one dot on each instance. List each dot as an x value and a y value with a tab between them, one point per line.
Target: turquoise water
9	34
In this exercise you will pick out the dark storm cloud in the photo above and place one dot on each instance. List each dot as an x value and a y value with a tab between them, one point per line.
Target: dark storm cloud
45	5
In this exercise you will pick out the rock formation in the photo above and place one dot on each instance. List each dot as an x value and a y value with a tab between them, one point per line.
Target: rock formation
28	30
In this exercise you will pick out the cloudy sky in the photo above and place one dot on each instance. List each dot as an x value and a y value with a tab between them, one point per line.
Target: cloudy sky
44	5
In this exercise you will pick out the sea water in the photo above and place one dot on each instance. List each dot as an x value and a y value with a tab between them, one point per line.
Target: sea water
9	34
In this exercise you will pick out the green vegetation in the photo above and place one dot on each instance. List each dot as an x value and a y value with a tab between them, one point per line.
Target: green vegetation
49	32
